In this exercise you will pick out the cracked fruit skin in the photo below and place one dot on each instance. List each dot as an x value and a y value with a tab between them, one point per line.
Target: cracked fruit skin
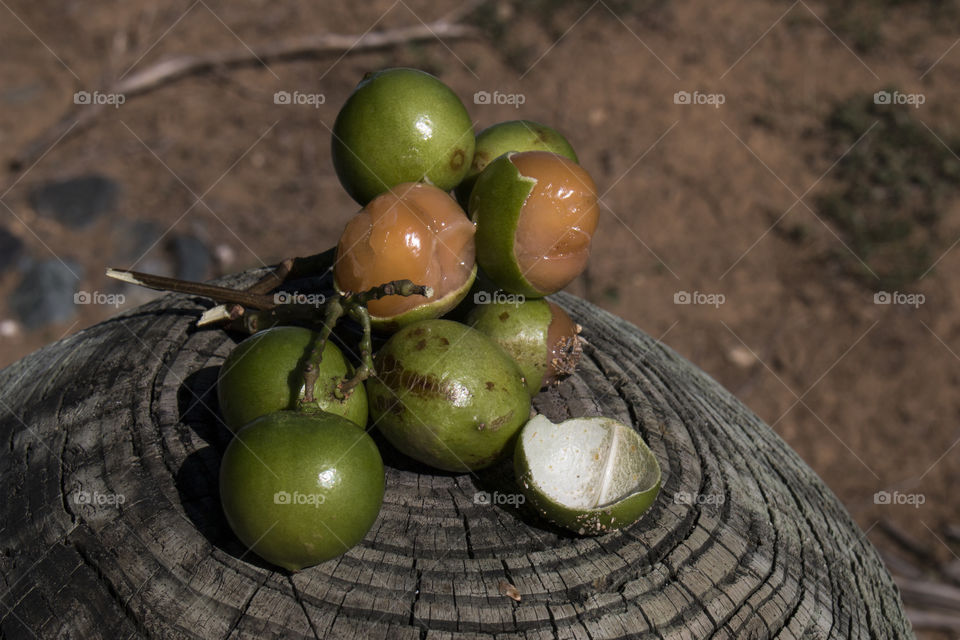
588	475
415	232
513	135
264	373
537	334
446	395
536	213
401	125
298	488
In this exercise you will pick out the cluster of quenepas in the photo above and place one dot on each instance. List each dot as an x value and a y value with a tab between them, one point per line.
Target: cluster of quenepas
302	481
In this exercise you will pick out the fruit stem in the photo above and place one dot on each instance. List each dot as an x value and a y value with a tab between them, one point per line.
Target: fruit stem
365	370
394	287
333	311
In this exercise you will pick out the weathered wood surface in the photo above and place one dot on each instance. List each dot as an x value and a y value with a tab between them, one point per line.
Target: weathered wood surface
127	408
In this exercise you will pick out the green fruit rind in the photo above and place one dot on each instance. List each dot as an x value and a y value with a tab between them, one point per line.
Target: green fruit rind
298	490
447	396
588	475
520	328
513	135
426	311
495	205
264	373
401	125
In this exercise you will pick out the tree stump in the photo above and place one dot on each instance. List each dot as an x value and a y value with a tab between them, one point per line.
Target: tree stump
112	527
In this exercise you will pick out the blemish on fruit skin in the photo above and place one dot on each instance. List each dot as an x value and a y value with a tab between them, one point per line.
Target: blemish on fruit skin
504	316
457	159
490	385
392	374
480	160
443	341
499	422
419	331
421	345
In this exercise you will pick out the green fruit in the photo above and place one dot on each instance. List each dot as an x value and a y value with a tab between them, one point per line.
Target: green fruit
298	489
446	395
538	335
514	135
264	373
588	475
401	125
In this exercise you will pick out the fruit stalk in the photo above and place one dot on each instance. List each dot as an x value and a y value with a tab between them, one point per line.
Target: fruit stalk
221	294
365	370
354	305
333	311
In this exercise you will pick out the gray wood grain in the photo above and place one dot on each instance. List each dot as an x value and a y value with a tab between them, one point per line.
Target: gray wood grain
128	408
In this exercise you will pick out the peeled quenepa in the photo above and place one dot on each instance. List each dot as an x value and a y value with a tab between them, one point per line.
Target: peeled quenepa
536	213
415	232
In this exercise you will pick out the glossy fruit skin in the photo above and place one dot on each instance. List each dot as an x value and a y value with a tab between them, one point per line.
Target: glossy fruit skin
401	125
518	212
520	329
416	232
446	395
513	135
330	471
264	373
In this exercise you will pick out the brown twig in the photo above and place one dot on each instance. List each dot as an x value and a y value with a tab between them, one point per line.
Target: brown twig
177	67
315	265
220	294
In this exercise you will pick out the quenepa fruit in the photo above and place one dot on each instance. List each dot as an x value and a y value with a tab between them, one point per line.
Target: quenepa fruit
416	232
264	373
537	334
513	135
298	489
589	475
535	213
401	125
446	395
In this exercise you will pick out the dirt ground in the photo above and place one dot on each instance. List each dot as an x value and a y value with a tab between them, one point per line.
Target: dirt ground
733	203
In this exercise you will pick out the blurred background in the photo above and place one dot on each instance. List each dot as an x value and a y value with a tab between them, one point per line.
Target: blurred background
779	185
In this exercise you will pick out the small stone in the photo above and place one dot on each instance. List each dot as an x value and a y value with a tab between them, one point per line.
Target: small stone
75	202
45	294
9	328
11	250
192	257
741	356
225	255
